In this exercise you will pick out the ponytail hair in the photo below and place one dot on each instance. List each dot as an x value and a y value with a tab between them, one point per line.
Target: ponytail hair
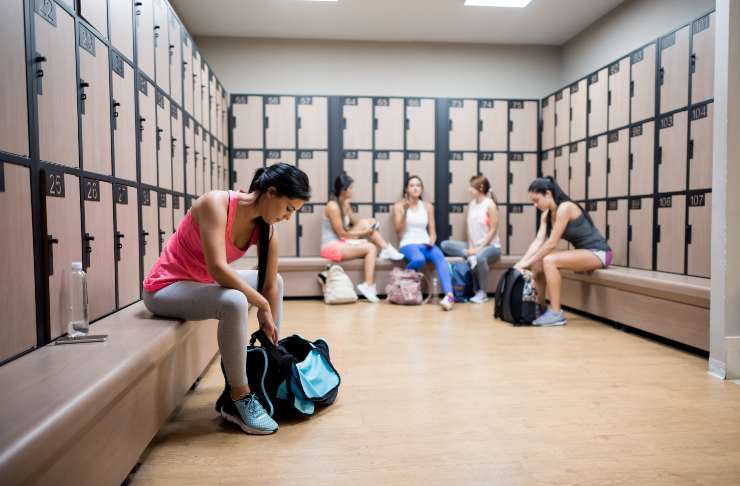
542	185
342	182
288	181
481	184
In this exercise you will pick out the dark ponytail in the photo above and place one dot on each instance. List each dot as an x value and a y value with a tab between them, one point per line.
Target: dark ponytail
341	183
288	181
543	184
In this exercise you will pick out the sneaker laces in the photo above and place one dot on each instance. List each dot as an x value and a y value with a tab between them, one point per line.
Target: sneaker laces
254	406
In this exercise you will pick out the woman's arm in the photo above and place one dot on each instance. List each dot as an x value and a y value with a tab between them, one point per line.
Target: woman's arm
432	223
270	288
564	215
335	218
399	217
536	244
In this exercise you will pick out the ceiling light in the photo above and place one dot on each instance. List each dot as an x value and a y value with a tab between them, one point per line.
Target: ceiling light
497	3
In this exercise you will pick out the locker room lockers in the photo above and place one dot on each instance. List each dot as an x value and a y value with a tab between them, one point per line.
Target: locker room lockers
200	170
164	141
94	93
618	163
642	157
521	228
56	85
548	163
144	16
619	94
698	234
275	156
422	164
495	167
63	243
178	210
18	332
388	123
178	164
147	131
578	110
164	202
383	214
462	125
190	154
640	233
457	222
124	118
701	146
562	168
149	229
671	233
359	166
14	113
122	27
673	77
198	88
279	122
175	59
420	124
187	83
204	90
493	124
463	166
522	171
562	117
96	13
597	211
598	102
313	123
357	116
309	233
616	213
578	155
672	152
548	122
127	244
389	176
702	59
98	254
596	167
523	126
213	124
642	86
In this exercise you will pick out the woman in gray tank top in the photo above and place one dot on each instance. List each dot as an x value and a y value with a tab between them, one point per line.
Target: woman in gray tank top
561	218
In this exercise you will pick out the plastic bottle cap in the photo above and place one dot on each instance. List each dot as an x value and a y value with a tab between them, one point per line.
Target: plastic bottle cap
76	265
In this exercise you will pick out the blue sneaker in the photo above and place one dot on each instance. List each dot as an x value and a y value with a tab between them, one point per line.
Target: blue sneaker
249	414
550	318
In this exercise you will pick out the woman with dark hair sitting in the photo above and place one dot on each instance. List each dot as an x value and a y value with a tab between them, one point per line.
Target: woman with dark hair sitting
192	279
561	218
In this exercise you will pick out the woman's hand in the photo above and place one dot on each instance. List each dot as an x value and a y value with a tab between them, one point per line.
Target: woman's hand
264	317
520	266
473	250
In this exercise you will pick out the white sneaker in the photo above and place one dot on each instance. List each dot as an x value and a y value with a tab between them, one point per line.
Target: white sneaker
390	253
446	303
369	292
472	261
479	297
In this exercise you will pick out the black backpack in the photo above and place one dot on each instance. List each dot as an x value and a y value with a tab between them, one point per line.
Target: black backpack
511	304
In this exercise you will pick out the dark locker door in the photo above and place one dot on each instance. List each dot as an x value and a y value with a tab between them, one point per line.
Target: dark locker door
144	17
578	110
147	132
672	152
357	116
56	85
309	229
389	177
178	209
596	168
175	59
14	114
598	102
422	165
548	163
674	70
94	93
493	125
127	244
640	233
420	121
98	257
149	229
166	224
699	231
597	212
388	123
162	45
642	157
190	154
198	87
495	167
671	236
164	141
702	58
279	122
619	94
315	163
18	332
457	222
618	163
523	126
248	122
617	230
383	214
176	138
187	77
463	124
522	171
562	168
522	228
124	118
313	122
96	13
562	117
359	166
63	244
122	27
578	155
275	156
701	146
642	86
548	122
463	166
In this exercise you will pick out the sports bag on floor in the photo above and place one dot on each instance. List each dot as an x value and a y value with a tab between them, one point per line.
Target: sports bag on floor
337	286
463	287
404	287
516	298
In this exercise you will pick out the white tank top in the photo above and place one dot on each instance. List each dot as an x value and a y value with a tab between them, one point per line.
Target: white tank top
479	223
417	221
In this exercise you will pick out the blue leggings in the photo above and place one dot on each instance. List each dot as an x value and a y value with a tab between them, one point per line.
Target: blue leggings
417	255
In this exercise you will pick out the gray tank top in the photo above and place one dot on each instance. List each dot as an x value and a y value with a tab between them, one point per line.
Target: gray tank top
328	235
584	235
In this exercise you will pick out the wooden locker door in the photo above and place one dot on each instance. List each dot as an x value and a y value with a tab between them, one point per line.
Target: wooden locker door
147	132
457	222
640	233
522	228
522	171
598	102
597	211
420	124
548	122
246	162
619	94
383	214
699	234
642	157
149	229
127	244
672	152
313	122
124	118
359	166
56	85
671	237
701	146
422	164
210	166
280	122
122	27
547	163
14	113
198	87
248	122
190	155
63	244
702	58
523	126
618	163
204	91
205	162
388	121
463	166
577	171
178	163
596	167
286	234
275	156
357	116
175	59
578	110
98	255
187	75
493	125
562	117
178	210
95	105
495	167
164	141
674	70
562	168
164	202
617	230
309	229
18	332
389	177
96	14
315	163
463	125
144	16
642	86
162	45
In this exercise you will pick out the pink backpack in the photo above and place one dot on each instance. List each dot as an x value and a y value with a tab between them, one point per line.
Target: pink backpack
404	287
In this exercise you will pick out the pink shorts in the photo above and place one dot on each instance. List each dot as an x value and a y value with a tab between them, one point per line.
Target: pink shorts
333	251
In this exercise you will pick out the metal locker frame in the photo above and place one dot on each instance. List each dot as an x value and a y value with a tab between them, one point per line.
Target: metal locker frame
127	244
462	166
640	232
562	168
95	106
463	125
523	125
121	15
642	83
388	123
519	238
388	176
562	117
493	125
578	111
98	247
619	94
701	64
359	166
618	163
548	123
670	240
149	229
457	223
313	122
673	76
642	158
420	127
522	171
422	164
672	152
357	123
617	214
598	102
147	130
178	163
95	13
495	166
578	154
596	167
144	31
309	229
701	145
14	113
175	58
166	218
698	231
124	118
164	141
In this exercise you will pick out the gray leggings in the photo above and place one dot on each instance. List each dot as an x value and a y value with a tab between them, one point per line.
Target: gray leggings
198	301
488	254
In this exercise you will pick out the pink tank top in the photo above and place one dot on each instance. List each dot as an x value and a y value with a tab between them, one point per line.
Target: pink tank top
183	258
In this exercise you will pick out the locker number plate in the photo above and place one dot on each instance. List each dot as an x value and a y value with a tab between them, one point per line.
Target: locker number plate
697	200
665	201
516	105
413	102
91	190
613	137
487	156
87	40
146	197
47	10
240	100
121	194
700	25
516	209
162	199
699	112
116	62
636	131
55	184
457	208
307	209
637	56
612	205
516	157
305	100
636	204
666	122
305	155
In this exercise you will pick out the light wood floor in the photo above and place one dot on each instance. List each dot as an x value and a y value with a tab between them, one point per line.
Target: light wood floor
429	397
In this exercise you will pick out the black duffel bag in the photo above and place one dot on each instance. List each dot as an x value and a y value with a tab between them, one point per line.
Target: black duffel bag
516	298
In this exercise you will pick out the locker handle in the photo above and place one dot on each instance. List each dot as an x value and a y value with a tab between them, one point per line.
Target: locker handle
632	162
144	234
375	177
511	178
172	52
588	169
449	126
141	123
298	123
607	231
115	114
661	76
161	236
480	125
693	64
375	123
609	98
233	122
657	234
691	149
632	89
556	119
688	234
267	122
509	229
660	155
588	106
450	177
119	246
608	165
511	125
344	123
299	229
39	74
83	96
88	250
629	233
50	242
159	137
570	113
408	124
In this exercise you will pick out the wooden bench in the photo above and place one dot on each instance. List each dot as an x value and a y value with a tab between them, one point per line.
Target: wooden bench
83	413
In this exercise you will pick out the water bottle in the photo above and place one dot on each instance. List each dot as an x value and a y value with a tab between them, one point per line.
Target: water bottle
435	291
77	323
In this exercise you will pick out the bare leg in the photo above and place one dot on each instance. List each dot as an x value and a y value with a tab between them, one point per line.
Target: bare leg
375	237
366	251
539	277
576	260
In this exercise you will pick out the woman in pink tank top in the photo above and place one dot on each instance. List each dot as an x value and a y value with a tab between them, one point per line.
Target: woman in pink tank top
192	279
